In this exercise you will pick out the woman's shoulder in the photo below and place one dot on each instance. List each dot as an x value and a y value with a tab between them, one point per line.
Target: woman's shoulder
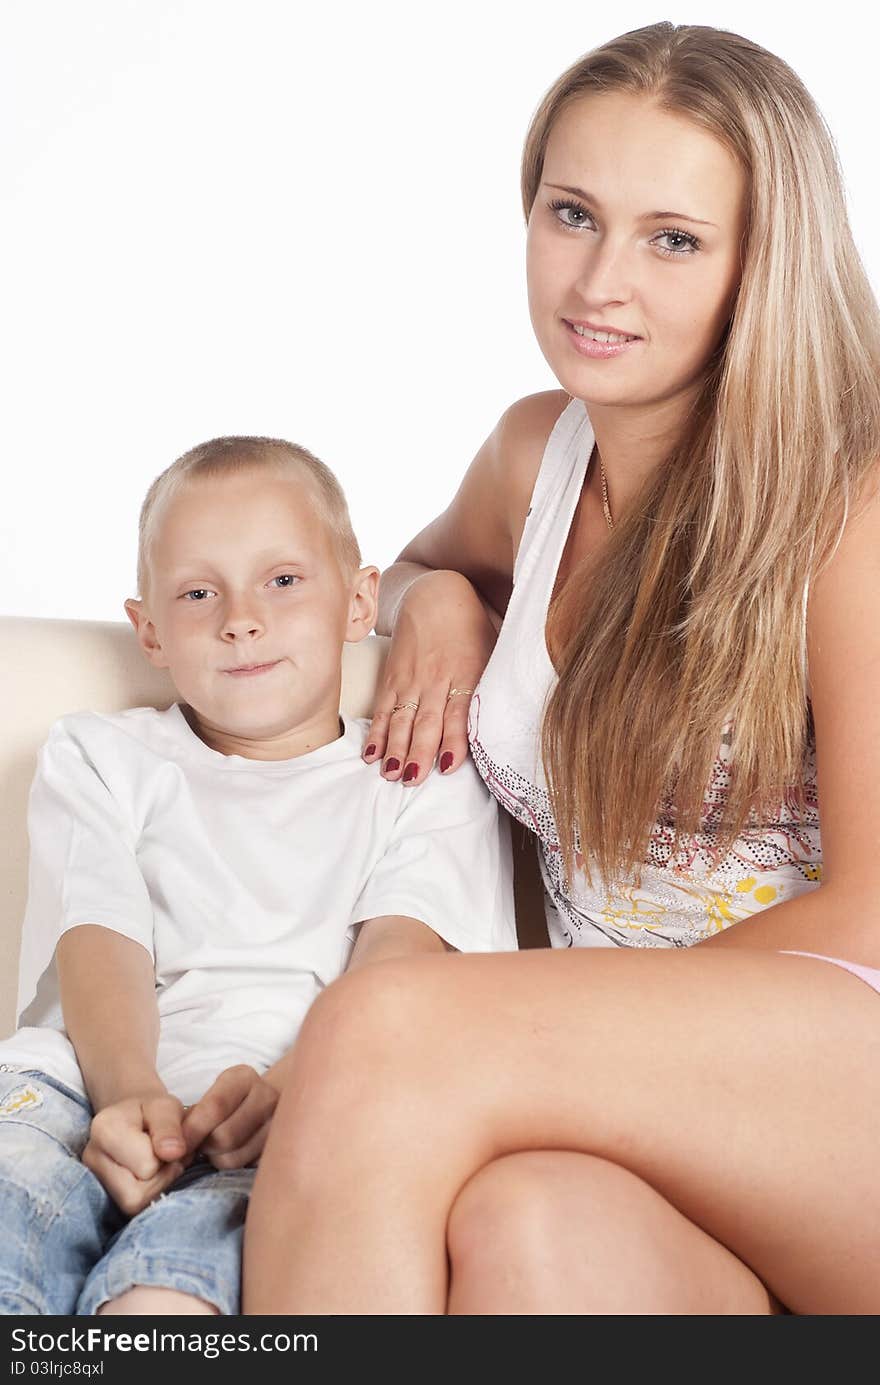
522	434
525	426
478	533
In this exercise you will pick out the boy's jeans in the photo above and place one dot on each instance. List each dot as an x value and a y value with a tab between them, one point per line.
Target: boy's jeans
67	1248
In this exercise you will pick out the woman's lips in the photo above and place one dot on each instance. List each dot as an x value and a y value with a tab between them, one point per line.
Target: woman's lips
597	350
250	670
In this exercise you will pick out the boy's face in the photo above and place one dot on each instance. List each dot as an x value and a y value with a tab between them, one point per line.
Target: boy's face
248	608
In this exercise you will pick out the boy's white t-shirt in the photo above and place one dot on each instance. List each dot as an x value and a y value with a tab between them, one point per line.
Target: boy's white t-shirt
244	880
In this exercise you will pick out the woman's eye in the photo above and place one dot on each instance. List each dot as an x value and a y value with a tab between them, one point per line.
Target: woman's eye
197	594
560	206
286	579
573	216
687	243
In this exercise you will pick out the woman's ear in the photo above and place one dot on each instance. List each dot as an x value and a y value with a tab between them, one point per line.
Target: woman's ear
363	605
147	634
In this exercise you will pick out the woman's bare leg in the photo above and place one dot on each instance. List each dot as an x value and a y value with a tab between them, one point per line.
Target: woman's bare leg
744	1086
556	1233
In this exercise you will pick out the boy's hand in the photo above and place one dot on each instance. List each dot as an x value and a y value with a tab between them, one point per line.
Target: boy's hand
230	1122
136	1148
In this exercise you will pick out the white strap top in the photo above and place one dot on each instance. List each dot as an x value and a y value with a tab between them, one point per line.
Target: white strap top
682	899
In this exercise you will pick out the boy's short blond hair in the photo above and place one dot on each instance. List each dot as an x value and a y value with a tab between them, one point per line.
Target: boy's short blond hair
225	456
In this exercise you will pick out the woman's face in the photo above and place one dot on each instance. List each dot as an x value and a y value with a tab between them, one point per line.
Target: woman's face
635	229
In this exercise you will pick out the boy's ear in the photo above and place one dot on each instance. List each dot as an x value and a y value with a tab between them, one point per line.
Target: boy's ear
364	604
148	636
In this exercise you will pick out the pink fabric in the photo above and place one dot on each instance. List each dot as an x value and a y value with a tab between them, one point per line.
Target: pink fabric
869	974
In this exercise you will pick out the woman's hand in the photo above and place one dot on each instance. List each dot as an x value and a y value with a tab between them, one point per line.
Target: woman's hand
443	637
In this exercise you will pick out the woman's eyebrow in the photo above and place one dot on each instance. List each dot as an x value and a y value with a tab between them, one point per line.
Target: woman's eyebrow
648	216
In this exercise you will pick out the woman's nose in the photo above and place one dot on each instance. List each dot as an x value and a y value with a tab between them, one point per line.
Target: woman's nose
606	272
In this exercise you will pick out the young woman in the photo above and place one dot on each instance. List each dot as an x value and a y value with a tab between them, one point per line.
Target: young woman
676	1109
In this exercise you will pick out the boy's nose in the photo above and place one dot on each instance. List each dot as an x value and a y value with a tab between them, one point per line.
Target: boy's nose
243	626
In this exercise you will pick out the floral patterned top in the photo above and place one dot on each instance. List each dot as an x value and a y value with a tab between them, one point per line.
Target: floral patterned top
683	898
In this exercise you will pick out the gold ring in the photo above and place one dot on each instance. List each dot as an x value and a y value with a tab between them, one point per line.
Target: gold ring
459	692
400	706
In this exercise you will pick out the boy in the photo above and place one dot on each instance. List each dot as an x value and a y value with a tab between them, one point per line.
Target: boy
197	876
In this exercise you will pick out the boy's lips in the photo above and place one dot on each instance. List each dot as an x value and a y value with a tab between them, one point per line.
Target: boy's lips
242	670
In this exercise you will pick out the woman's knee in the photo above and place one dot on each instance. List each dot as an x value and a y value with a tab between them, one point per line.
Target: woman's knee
561	1232
363	1017
365	1032
518	1207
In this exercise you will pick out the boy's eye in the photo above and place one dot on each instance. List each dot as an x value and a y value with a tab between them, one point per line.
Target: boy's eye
286	579
197	594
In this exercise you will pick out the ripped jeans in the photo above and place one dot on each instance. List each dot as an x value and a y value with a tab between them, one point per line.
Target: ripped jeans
67	1248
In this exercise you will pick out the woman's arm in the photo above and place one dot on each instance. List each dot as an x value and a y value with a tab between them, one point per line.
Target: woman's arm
397	581
443	599
841	917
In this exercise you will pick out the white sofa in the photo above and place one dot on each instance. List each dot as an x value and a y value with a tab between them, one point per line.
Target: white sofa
52	667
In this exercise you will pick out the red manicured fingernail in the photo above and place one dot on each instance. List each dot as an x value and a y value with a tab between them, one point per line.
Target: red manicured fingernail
446	760
370	750
410	772
391	764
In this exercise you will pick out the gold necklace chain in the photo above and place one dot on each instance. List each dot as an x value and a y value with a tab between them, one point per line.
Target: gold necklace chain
605	506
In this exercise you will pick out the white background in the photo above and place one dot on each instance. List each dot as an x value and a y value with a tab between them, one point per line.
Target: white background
259	216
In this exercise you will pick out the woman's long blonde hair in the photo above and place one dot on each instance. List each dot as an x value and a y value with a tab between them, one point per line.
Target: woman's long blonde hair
693	623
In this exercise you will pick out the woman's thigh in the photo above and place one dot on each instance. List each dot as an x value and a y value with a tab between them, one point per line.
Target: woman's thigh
744	1086
559	1233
